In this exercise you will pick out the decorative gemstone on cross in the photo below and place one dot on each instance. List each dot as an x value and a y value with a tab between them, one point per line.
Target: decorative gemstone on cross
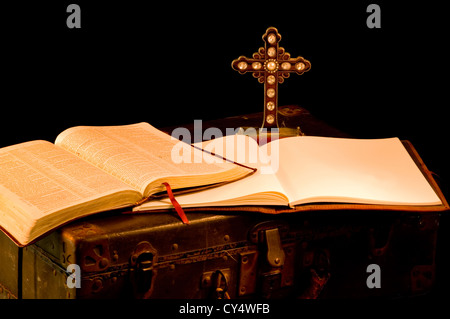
271	65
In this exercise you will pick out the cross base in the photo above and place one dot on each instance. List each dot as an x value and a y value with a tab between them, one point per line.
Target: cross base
263	136
290	117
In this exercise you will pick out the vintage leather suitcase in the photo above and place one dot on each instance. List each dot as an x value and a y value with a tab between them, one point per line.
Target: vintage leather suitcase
335	253
317	254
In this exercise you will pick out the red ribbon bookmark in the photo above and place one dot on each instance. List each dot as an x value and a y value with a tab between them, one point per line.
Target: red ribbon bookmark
176	205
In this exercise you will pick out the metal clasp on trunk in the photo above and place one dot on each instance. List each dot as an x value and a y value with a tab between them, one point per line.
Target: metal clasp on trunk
275	252
271	266
142	273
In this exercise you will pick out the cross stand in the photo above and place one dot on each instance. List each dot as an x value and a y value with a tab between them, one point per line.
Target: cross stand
271	65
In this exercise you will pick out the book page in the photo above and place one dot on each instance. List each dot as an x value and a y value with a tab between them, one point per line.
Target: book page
260	188
378	171
139	154
37	178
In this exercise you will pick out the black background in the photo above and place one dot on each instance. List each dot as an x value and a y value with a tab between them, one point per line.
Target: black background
168	63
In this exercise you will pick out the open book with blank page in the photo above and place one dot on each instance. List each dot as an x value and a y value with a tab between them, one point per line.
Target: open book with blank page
311	173
93	169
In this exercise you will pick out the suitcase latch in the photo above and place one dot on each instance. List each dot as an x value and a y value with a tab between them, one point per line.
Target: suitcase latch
142	261
271	276
269	266
275	252
217	281
270	234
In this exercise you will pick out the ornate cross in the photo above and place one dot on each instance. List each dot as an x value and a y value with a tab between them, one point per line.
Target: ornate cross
271	65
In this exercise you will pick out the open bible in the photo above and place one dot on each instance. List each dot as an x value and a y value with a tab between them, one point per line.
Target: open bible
92	169
297	171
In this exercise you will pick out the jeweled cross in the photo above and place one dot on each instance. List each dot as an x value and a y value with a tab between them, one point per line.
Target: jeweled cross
271	65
